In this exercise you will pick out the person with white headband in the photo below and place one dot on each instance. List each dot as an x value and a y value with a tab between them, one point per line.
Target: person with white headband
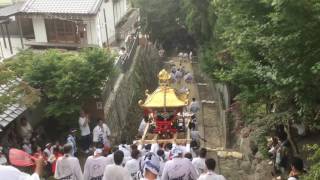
94	166
179	167
151	168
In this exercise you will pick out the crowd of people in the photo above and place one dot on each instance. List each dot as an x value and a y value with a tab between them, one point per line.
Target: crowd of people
281	155
122	162
166	162
185	56
178	74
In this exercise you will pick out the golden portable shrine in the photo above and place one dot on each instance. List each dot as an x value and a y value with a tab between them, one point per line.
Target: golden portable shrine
164	109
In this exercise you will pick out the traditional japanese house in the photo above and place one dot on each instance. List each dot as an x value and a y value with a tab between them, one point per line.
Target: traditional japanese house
73	23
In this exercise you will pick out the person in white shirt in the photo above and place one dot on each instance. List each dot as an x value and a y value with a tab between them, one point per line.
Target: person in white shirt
200	162
180	55
25	129
185	56
155	147
167	151
190	55
183	90
189	156
151	167
125	148
71	139
133	164
210	174
297	169
67	166
143	125
194	106
188	78
179	167
122	51
58	145
178	76
146	149
12	173
126	151
116	171
94	166
85	131
162	161
47	151
101	134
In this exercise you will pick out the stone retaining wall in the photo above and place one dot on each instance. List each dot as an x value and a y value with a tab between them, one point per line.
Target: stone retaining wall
121	109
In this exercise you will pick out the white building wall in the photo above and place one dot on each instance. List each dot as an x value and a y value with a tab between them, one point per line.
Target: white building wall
95	26
104	27
119	8
110	21
39	27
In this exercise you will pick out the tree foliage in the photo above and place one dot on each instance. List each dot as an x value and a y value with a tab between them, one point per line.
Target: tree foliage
268	50
164	21
314	172
15	90
66	80
160	18
198	18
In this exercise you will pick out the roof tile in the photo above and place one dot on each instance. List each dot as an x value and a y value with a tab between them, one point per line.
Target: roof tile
62	6
12	110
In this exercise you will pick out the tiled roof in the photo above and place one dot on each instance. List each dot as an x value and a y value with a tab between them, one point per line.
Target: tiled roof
10	10
62	6
12	111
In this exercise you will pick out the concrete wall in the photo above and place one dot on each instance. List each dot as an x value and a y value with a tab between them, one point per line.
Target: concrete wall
122	112
222	97
39	27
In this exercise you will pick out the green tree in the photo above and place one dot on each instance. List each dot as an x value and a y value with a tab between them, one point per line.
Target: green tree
268	51
199	18
160	18
15	90
314	172
66	80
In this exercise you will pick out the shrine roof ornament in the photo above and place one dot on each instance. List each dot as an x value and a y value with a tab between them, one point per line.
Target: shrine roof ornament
164	78
164	96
